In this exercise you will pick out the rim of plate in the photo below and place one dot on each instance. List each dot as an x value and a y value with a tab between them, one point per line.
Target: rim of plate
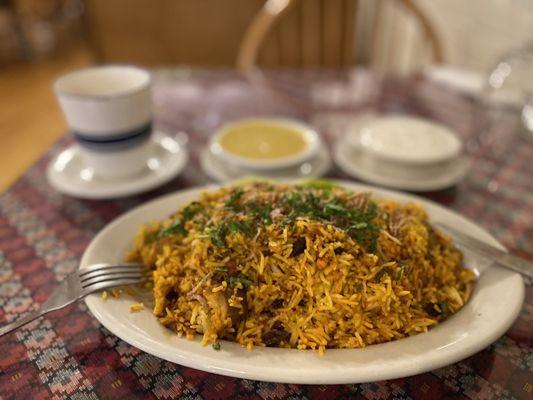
405	357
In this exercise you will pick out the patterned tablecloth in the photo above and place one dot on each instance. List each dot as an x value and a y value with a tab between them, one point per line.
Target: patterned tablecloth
43	234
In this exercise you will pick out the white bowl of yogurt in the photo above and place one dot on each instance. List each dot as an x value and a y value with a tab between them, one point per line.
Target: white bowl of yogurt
265	143
404	146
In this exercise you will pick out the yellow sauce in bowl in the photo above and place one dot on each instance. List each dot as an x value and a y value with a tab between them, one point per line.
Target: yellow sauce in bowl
263	140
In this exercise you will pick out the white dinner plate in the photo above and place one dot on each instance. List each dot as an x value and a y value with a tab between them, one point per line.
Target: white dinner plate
494	305
68	173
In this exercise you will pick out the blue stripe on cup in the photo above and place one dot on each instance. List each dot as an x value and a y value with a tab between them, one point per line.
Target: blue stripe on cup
116	142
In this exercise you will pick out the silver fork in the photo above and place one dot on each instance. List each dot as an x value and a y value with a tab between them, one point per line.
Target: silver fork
79	284
489	252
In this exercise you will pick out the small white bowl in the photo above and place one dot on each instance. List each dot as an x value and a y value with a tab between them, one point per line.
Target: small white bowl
407	140
309	135
403	152
406	147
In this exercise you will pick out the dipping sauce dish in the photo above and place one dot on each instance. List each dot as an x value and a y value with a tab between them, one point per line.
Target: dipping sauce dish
265	143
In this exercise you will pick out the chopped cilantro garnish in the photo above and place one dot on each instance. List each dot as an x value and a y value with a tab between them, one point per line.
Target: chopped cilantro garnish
357	223
399	273
190	211
321	184
239	226
218	234
260	212
334	208
444	308
177	226
303	201
233	202
232	280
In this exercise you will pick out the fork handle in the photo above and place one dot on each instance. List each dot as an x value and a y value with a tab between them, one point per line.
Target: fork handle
22	321
60	298
492	253
515	263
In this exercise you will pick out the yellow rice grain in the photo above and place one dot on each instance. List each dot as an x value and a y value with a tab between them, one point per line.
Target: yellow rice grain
137	307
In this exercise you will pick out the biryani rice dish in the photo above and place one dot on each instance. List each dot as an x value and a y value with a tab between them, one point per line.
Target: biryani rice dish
307	266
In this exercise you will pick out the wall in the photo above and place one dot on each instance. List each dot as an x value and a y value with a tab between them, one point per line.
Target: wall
477	32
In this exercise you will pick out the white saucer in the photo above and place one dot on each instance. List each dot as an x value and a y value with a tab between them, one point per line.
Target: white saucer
346	157
68	174
223	172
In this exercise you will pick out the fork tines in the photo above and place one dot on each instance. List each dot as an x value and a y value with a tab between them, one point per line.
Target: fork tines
128	273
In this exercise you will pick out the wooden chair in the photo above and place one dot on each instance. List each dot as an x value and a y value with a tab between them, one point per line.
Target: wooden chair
336	33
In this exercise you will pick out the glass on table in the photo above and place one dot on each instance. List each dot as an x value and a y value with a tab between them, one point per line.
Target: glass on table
507	99
503	121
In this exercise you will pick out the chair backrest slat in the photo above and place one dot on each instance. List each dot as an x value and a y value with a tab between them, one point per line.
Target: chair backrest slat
332	26
311	27
327	33
349	40
288	33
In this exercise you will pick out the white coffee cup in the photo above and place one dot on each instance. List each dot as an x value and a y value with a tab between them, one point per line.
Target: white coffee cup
109	111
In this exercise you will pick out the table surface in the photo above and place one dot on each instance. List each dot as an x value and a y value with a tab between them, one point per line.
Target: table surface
43	235
30	118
